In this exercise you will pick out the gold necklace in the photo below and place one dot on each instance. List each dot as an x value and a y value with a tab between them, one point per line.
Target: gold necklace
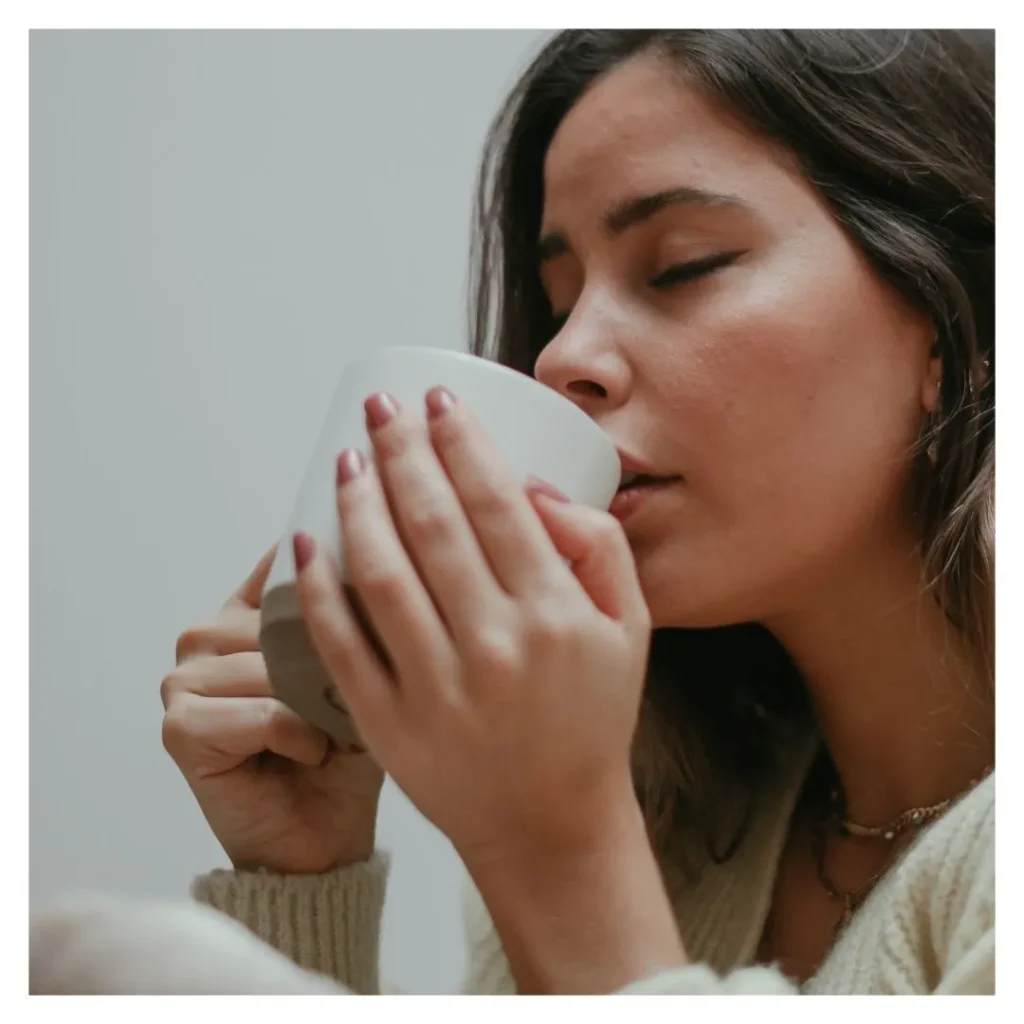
916	817
850	899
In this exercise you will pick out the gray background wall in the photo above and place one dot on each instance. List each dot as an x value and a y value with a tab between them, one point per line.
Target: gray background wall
218	222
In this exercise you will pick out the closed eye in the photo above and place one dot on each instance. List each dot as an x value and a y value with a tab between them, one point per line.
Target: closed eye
684	272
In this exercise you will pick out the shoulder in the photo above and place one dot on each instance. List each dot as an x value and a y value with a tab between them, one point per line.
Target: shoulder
950	876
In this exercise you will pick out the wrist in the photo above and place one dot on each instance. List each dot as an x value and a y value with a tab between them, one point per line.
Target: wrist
585	917
530	842
525	853
358	851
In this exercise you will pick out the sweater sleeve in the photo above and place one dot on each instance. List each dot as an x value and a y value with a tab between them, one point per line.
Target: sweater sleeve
701	980
328	923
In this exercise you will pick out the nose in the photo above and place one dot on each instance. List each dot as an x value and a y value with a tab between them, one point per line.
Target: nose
585	364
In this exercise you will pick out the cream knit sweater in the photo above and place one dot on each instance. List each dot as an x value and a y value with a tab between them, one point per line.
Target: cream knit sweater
928	927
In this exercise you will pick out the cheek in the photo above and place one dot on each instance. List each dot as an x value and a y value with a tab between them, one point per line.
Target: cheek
802	387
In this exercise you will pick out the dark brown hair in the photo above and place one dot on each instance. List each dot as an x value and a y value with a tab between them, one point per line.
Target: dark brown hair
897	132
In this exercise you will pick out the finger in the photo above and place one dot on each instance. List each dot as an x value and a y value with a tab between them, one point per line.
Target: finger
210	735
515	543
230	675
429	518
595	545
396	602
363	682
236	628
250	593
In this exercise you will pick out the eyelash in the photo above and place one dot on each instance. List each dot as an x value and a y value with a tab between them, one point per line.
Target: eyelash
682	273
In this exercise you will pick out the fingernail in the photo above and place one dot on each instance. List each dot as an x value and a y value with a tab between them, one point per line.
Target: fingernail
350	464
439	401
380	408
302	548
535	485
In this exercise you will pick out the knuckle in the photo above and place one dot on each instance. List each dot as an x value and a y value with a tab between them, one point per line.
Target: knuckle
274	718
449	704
548	616
379	585
175	732
429	524
169	685
490	503
191	641
552	620
500	650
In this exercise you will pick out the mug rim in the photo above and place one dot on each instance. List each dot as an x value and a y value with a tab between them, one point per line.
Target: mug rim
555	399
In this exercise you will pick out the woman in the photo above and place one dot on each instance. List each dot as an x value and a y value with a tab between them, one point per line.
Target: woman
763	263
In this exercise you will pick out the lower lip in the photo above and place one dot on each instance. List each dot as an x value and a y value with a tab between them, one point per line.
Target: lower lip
627	501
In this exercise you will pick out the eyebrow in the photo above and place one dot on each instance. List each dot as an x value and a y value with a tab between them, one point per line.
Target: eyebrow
631	212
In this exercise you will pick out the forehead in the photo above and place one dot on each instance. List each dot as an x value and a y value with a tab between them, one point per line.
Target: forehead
642	128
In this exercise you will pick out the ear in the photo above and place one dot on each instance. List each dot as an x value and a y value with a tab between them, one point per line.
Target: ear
982	375
932	382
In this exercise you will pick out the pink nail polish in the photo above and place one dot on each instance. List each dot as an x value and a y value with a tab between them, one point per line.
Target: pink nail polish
439	400
535	485
302	548
380	409
350	464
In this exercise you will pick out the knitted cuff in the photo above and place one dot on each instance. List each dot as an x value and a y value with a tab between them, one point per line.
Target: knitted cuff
328	923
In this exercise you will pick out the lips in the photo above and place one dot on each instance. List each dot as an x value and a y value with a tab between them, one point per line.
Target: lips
631	480
637	473
639	483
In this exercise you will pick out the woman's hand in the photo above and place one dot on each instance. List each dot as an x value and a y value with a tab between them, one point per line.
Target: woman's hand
508	710
508	706
275	792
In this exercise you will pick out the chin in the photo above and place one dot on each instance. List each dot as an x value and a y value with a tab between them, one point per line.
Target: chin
679	597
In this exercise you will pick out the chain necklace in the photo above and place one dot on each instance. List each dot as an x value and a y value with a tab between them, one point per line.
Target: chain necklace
850	899
915	818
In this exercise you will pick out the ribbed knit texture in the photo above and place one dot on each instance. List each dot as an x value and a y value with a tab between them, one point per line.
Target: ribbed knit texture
928	927
325	923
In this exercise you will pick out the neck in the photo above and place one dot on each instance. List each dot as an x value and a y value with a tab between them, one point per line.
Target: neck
904	718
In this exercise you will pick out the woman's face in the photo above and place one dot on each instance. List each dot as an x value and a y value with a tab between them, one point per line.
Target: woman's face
732	339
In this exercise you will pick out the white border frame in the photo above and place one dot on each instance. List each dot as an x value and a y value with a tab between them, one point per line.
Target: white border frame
481	14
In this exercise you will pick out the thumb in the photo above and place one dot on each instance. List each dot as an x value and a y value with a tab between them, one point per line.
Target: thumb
596	547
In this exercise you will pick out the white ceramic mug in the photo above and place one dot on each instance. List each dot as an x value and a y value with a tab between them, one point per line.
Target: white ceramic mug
537	430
